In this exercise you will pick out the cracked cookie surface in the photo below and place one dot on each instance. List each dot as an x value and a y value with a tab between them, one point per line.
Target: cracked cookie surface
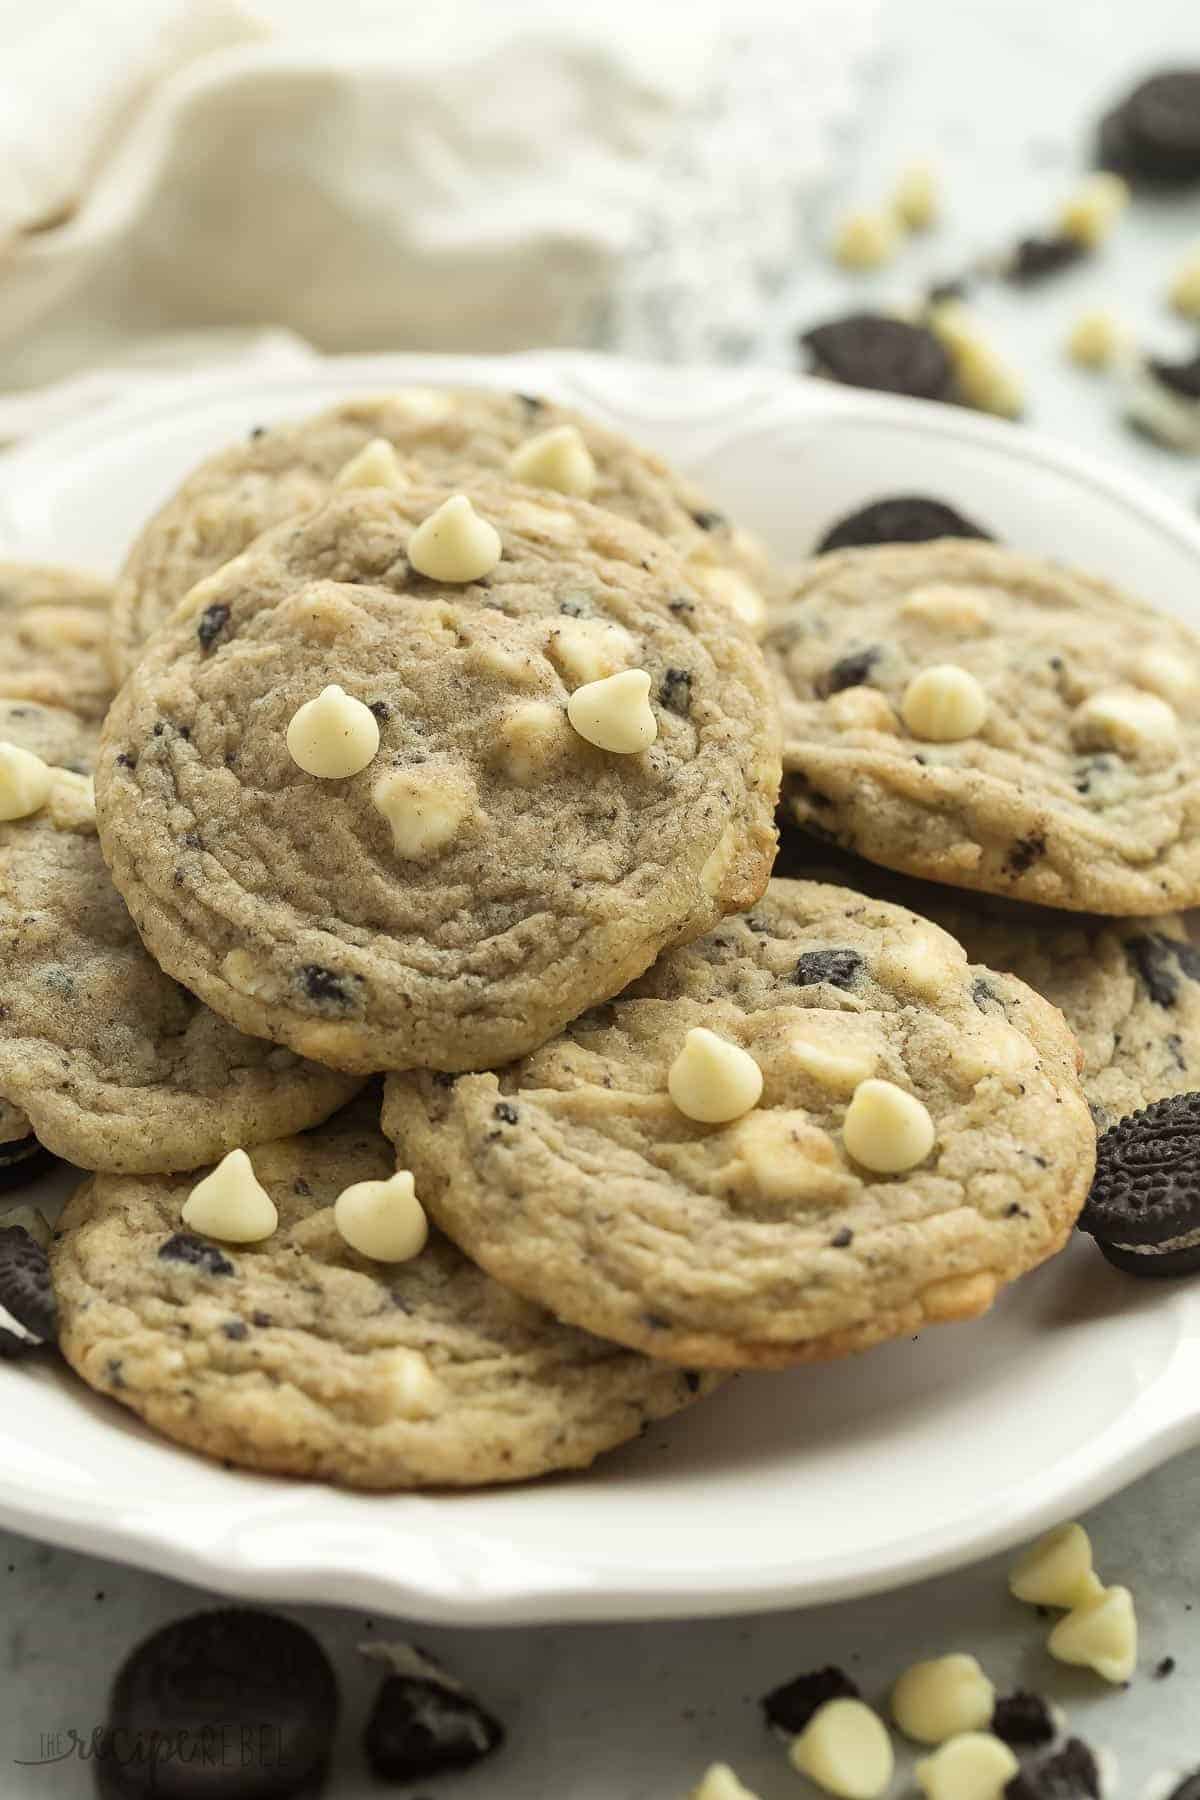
572	1177
489	873
443	437
1081	787
299	1356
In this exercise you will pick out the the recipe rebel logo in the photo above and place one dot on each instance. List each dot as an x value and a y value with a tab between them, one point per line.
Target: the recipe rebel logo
241	1745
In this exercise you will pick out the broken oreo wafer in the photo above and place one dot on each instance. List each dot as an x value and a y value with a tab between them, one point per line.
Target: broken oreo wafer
1144	1207
424	1722
28	1315
874	350
899	519
1154	134
21	1160
1024	1720
1073	1773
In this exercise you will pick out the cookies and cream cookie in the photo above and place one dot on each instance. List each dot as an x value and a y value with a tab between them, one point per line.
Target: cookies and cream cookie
448	436
299	1355
909	1151
418	778
54	633
960	712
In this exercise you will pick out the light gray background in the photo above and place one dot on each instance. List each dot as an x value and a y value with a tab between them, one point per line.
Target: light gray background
1000	92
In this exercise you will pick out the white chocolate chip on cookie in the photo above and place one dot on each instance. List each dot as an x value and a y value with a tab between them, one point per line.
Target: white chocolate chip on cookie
558	459
428	404
948	606
615	714
71	805
584	650
231	1203
920	962
383	1219
533	740
720	1783
1167	674
454	543
862	709
732	590
823	1051
25	782
846	1750
375	466
1126	720
333	736
788	1158
886	1129
936	1700
1056	1571
712	1080
975	1766
944	704
411	1390
1101	1634
425	806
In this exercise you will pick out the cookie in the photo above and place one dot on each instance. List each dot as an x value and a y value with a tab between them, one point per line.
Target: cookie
114	1064
1128	988
875	350
902	519
491	870
1154	133
1144	1207
443	437
26	1296
574	1176
22	1158
299	1356
54	626
987	720
423	1721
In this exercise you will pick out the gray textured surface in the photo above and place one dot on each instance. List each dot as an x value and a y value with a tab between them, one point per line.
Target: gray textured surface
999	91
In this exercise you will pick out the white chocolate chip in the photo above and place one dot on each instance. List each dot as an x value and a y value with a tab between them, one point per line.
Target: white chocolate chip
1100	1634
584	650
862	709
944	704
533	740
71	805
412	1389
333	736
1056	1571
558	459
846	1750
731	590
25	782
424	403
826	1056
614	714
246	975
1089	214
1184	292
425	806
865	239
936	1700
454	543
720	1783
917	960
713	1080
1126	720
916	201
552	522
375	466
383	1219
231	1203
886	1129
975	1766
1169	674
1097	339
984	379
790	1159
949	606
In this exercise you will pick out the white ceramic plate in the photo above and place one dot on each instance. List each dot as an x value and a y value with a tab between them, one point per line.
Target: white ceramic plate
783	1489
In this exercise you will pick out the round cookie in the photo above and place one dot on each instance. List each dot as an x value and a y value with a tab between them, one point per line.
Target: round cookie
1128	988
442	437
1080	788
116	1066
54	629
489	873
573	1177
299	1356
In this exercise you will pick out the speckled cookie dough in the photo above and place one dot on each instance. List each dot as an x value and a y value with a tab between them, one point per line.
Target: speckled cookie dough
1128	988
573	1177
490	872
116	1066
299	1356
1075	782
447	436
54	629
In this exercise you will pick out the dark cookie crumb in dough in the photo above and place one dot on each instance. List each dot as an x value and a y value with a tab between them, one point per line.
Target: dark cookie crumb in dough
849	671
197	1254
839	968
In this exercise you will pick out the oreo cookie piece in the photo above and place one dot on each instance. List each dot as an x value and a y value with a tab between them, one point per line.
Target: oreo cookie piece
23	1159
1024	1720
1072	1773
899	519
1186	1787
1163	400
238	1702
28	1315
424	1722
1144	1207
788	1709
1032	259
874	350
1154	134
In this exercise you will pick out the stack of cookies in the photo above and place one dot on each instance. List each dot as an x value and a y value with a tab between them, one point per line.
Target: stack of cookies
445	748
